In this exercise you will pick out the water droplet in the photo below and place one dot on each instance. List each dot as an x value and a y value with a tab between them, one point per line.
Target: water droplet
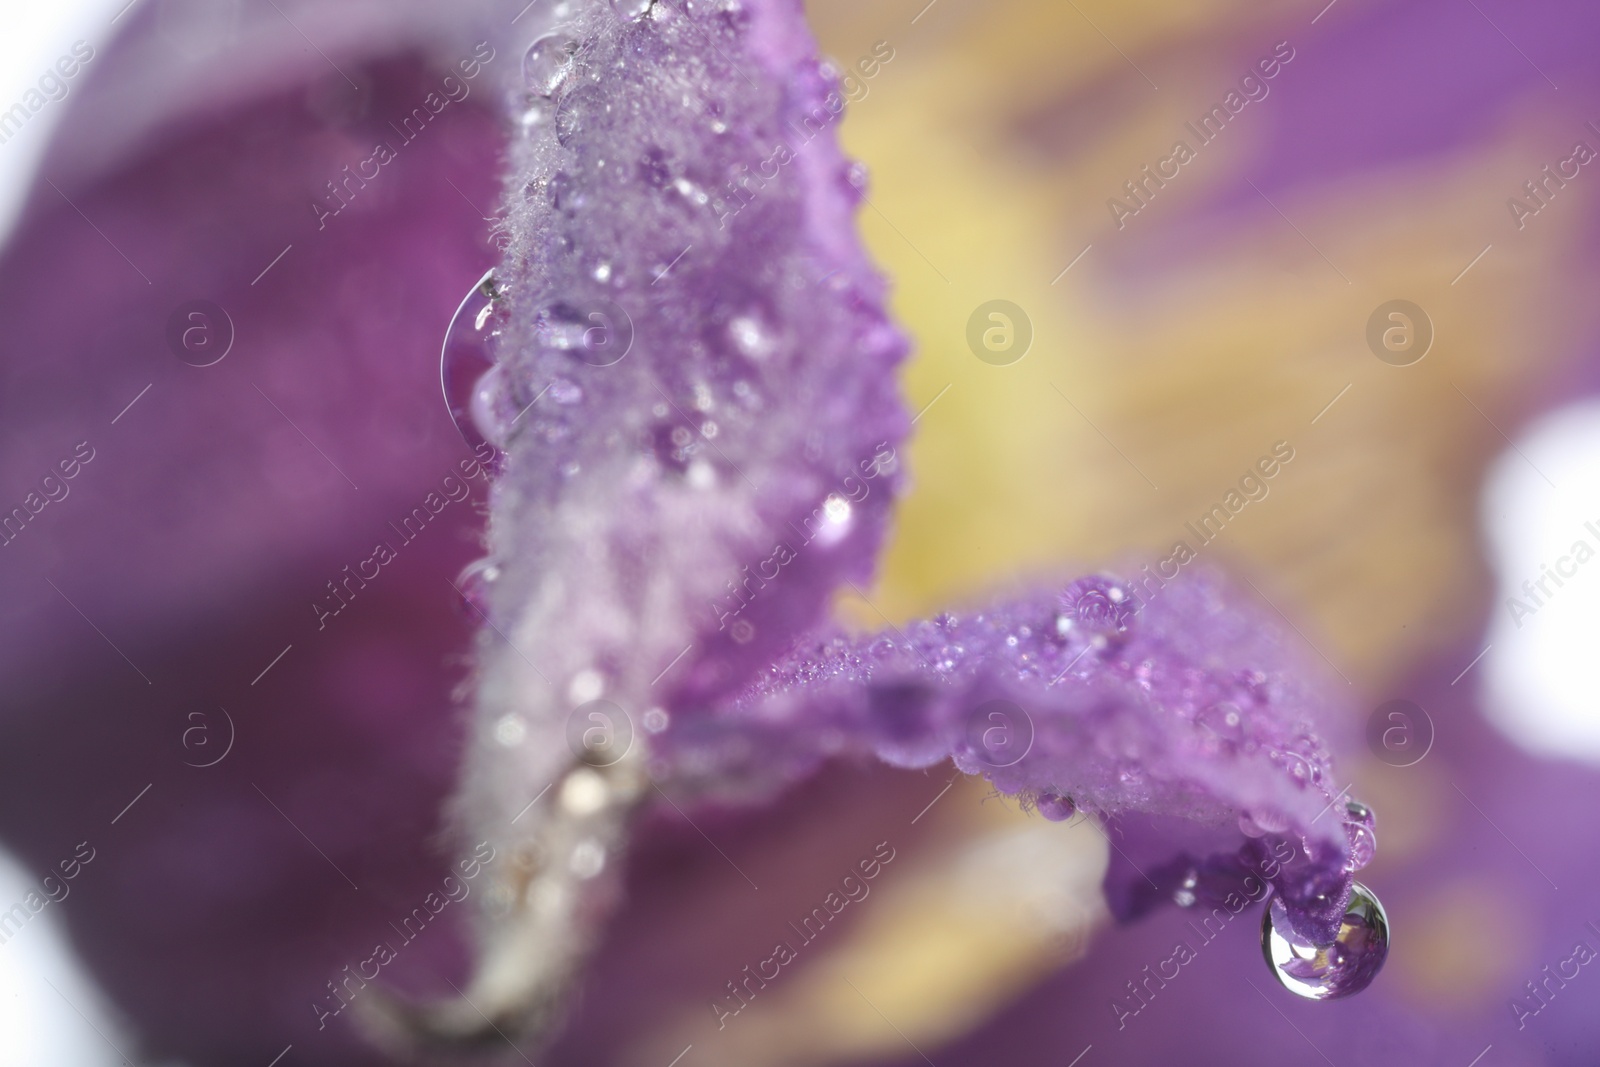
1339	970
1360	827
656	720
631	10
473	584
1056	807
577	109
547	62
602	272
585	686
1101	606
468	355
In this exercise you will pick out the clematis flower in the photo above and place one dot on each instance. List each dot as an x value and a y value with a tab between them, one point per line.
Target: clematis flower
687	437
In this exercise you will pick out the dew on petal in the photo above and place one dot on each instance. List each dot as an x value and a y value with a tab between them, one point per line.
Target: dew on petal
547	62
473	584
486	410
1341	969
1055	807
468	355
1098	606
577	109
1360	827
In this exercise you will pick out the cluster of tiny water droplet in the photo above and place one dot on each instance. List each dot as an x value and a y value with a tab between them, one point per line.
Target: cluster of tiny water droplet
638	221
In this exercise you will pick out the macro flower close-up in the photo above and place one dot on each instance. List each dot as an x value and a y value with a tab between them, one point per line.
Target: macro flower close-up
696	533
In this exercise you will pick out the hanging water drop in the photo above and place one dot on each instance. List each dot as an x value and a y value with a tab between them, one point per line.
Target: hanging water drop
468	356
1360	827
547	62
1341	969
1055	807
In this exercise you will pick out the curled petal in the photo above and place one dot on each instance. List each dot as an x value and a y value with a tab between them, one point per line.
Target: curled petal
1174	701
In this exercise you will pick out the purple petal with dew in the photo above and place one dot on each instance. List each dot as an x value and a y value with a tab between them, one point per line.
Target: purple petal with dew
679	198
694	395
1182	704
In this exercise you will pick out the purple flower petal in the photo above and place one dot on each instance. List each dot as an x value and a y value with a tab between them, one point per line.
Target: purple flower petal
712	485
1199	710
696	401
694	396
